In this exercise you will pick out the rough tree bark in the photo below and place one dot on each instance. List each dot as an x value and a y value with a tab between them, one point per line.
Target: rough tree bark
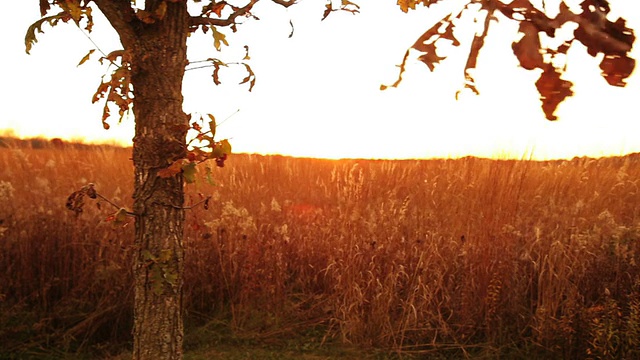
157	54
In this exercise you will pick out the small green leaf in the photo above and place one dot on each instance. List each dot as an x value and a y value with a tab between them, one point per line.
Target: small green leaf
225	145
147	255
209	175
157	280
212	125
120	216
189	172
165	255
216	152
170	277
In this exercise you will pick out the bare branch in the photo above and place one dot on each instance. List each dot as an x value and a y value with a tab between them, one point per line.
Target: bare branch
110	202
197	21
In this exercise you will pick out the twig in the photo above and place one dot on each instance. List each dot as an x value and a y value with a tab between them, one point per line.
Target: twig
196	21
108	201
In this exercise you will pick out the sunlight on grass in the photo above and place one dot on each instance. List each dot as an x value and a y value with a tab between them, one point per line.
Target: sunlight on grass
453	258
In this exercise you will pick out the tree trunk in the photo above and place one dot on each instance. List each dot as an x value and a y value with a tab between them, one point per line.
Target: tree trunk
158	60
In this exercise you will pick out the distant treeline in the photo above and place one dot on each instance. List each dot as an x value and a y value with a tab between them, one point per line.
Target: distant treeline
57	143
44	143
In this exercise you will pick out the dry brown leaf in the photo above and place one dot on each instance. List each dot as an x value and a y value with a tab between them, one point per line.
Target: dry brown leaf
553	90
527	49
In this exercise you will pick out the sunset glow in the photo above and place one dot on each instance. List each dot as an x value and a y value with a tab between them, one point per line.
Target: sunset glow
317	93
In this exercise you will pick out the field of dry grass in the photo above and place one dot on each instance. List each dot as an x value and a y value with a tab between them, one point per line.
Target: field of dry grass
451	258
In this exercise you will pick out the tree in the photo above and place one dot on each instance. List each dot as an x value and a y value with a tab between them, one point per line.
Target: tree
146	77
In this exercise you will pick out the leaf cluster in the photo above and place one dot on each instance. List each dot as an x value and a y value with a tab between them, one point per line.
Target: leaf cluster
218	64
75	10
115	85
127	19
200	148
163	274
612	39
406	5
75	203
345	5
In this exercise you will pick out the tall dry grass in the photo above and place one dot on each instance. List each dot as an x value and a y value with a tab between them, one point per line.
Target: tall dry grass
465	257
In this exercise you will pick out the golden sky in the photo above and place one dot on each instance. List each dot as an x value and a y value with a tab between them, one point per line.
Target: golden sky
317	93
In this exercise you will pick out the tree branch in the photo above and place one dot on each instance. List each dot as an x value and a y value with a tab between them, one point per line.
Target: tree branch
600	33
196	21
121	16
474	52
284	3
